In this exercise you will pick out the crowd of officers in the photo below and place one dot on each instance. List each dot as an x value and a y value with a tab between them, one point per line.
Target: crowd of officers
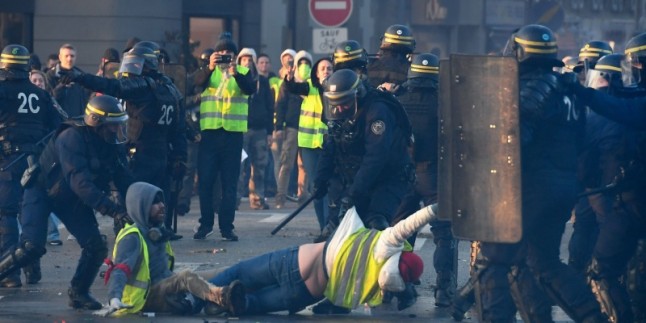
366	133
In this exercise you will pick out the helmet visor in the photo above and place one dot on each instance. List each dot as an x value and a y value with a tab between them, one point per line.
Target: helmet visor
132	64
595	79
630	71
340	106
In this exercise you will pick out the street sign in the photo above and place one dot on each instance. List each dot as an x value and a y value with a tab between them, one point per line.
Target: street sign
324	40
330	13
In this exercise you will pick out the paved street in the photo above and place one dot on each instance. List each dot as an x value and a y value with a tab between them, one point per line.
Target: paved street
47	301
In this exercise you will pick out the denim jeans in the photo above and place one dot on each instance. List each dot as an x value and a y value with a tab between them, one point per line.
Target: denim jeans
52	228
273	282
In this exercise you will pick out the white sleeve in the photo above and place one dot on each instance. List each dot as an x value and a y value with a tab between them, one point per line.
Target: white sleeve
392	239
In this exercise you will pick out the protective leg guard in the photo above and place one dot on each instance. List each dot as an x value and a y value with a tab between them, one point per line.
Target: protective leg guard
13	260
91	259
493	300
445	291
532	304
610	294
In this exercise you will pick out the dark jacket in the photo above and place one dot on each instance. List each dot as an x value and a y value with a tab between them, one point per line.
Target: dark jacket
261	107
288	108
72	97
420	101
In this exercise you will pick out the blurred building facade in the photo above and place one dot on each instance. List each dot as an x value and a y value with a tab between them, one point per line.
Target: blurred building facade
186	27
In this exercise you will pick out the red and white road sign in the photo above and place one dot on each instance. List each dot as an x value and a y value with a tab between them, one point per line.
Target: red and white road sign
330	13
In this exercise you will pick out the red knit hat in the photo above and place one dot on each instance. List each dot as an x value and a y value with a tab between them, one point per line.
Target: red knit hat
411	267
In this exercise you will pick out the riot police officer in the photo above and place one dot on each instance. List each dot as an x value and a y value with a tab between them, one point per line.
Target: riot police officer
550	126
76	169
420	100
391	68
27	114
366	151
156	124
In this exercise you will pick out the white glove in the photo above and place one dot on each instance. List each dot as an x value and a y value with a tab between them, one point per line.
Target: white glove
116	304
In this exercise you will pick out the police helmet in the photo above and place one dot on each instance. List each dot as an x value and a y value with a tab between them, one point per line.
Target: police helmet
609	68
137	61
350	55
425	65
340	92
636	47
590	54
536	44
107	117
398	38
15	57
152	64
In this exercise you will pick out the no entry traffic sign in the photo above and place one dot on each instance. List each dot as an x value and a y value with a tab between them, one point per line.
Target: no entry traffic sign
330	13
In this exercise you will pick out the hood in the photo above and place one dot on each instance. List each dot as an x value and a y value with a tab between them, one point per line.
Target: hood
139	199
302	54
315	80
289	52
247	52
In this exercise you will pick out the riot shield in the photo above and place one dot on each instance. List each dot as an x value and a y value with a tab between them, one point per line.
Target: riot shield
444	142
484	174
177	73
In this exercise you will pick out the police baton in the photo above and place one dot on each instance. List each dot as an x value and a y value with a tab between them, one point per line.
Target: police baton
23	155
292	215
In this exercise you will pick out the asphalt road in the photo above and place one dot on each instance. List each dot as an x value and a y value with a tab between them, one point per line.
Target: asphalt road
47	300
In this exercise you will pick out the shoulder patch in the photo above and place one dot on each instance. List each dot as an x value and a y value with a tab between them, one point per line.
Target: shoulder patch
378	127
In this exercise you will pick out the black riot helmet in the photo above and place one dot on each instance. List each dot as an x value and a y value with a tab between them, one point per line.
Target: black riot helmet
151	63
636	58
398	38
205	57
137	62
609	69
350	55
105	115
340	92
590	54
534	44
425	65
15	57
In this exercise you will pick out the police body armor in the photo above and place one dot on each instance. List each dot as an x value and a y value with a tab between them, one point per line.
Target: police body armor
104	159
420	103
389	68
159	115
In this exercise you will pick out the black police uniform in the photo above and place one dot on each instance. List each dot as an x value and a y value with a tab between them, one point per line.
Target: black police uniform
619	235
27	115
391	67
77	167
156	124
550	128
366	159
420	101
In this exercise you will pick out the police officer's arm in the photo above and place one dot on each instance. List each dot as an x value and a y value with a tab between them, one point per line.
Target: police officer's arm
631	112
125	88
379	134
325	165
72	154
123	176
125	262
177	136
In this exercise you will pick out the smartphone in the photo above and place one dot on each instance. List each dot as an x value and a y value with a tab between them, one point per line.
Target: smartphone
223	59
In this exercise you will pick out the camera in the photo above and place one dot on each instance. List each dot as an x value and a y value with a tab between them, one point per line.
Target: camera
223	59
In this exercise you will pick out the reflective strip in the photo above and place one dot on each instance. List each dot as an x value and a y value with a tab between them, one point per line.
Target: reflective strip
592	49
425	69
12	61
341	57
634	49
103	113
312	114
228	100
227	116
308	131
6	55
607	67
589	54
396	39
535	43
138	284
540	51
360	269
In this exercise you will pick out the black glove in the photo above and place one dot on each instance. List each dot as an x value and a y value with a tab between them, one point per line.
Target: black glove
320	189
69	76
346	203
570	82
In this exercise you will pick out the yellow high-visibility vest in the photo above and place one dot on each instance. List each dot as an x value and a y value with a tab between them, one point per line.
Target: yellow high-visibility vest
137	287
310	127
223	103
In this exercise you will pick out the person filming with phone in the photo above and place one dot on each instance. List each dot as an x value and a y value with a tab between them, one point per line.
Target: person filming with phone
223	120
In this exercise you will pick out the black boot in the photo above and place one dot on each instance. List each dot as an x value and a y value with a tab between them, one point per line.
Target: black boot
32	272
13	260
86	271
445	290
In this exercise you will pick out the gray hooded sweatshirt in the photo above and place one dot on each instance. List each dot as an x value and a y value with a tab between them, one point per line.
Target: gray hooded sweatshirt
139	199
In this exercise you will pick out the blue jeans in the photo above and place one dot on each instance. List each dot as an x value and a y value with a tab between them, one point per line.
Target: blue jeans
52	228
273	282
310	161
